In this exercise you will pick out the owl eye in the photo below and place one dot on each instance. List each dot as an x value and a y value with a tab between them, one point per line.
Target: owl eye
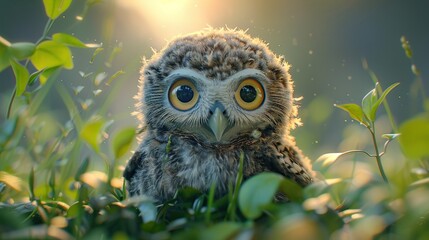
183	95
250	94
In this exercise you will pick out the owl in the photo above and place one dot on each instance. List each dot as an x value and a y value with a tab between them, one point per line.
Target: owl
206	100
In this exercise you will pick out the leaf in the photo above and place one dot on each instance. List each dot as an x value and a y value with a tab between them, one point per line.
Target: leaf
46	73
220	231
75	210
52	54
96	52
68	40
99	78
368	102
34	76
72	41
54	8
21	76
381	99
420	183
390	136
31	184
122	141
319	187
22	50
257	193
11	181
414	138
292	190
328	159
4	53
114	76
355	112
91	133
82	169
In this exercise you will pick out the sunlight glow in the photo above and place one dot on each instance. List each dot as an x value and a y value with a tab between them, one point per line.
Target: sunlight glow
167	18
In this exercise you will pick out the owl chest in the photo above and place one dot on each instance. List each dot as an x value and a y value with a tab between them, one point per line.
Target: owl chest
199	168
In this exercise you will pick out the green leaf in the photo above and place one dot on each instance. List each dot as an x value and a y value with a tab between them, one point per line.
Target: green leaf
21	76
46	73
414	138
4	53
54	8
33	77
68	40
31	184
355	112
52	54
114	76
122	141
72	41
82	169
326	160
257	193
75	210
381	99
390	136
96	52
220	231
22	50
292	190
368	102
91	133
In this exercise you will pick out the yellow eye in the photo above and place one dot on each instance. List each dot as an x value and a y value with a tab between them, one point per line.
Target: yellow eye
250	94
183	95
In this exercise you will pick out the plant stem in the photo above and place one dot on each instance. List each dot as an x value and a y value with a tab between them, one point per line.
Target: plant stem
9	108
48	26
377	154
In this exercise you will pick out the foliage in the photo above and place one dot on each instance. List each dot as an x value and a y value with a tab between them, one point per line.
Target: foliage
52	184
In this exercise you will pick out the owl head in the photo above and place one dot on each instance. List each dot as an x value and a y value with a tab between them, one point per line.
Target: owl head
218	87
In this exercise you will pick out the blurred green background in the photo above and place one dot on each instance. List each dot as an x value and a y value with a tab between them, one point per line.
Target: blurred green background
324	41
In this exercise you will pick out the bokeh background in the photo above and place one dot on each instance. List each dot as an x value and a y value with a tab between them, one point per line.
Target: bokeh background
324	41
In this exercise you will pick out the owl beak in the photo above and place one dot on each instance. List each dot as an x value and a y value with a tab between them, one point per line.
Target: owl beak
218	123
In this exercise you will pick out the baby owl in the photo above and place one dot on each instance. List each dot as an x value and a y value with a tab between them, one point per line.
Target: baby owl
204	100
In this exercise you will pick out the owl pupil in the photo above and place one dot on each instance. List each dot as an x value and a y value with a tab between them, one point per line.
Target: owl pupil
248	93
184	93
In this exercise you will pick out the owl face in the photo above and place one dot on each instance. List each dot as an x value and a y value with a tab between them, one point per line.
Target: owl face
216	88
217	111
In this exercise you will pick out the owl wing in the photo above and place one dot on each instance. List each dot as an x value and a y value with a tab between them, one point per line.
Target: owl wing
133	166
291	163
